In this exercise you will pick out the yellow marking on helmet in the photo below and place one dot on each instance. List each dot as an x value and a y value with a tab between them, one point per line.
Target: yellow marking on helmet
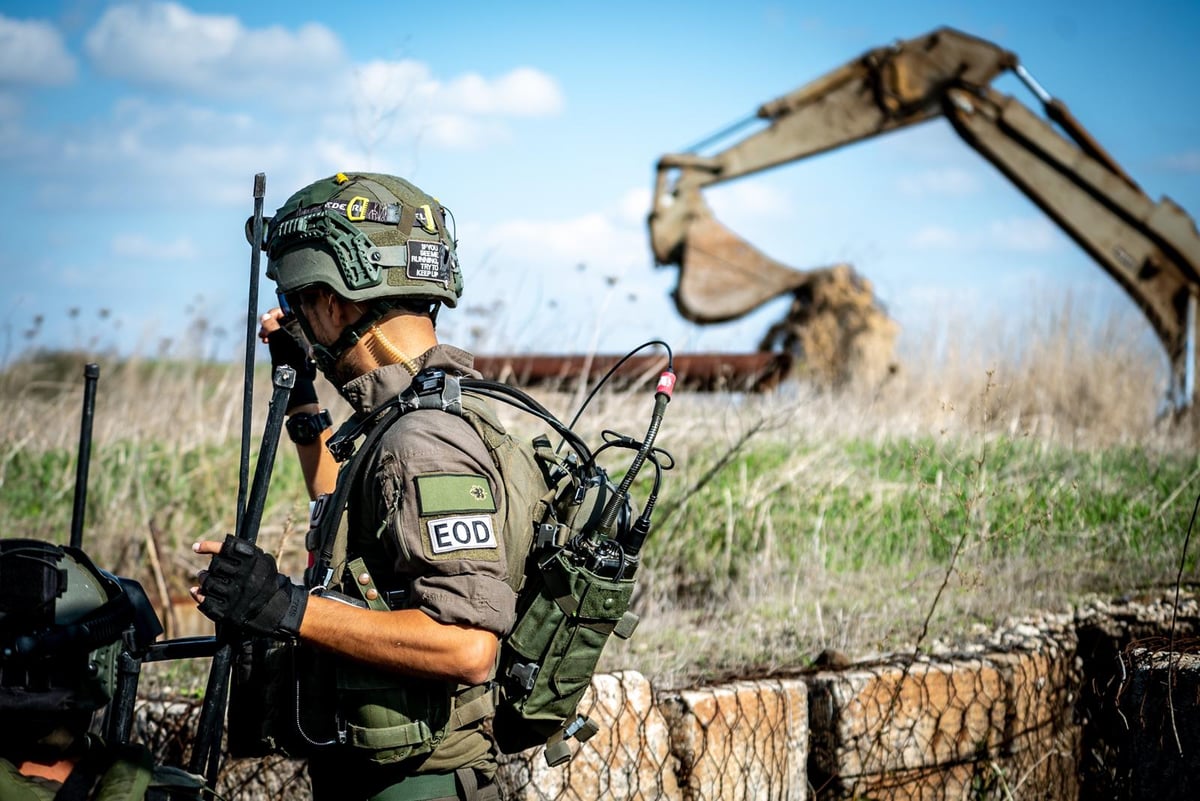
341	178
356	209
429	224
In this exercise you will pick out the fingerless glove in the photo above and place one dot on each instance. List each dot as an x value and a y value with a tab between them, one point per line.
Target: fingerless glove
245	588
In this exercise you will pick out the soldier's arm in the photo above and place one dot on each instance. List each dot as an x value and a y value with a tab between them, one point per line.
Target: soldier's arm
316	463
406	641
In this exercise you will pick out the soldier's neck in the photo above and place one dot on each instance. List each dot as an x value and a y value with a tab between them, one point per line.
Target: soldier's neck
55	771
397	339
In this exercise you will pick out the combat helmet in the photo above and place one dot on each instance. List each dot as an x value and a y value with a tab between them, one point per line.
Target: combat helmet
63	623
370	238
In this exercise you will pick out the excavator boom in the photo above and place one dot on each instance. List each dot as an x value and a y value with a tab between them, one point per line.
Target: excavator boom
1151	249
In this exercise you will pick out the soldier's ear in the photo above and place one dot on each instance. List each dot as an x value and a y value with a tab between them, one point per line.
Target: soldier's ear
342	312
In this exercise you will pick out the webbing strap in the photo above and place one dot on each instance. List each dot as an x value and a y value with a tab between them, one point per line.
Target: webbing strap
331	537
475	703
400	736
381	191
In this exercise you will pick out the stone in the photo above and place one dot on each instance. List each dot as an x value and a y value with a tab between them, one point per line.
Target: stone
746	740
629	758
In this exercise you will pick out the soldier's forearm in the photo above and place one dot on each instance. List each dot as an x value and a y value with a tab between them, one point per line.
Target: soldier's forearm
406	641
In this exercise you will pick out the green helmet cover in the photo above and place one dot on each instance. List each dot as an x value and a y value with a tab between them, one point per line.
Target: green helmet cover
60	628
367	237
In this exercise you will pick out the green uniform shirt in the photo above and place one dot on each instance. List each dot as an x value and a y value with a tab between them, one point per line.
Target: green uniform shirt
426	518
128	775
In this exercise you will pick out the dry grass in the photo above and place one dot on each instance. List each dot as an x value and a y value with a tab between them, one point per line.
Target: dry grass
794	522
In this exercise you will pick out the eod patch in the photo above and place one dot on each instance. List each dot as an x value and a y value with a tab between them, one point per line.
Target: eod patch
461	533
456	509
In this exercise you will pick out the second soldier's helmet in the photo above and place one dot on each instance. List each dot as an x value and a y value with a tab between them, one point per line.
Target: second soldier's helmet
63	623
367	237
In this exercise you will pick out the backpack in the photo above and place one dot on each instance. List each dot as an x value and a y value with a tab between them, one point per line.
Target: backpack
572	543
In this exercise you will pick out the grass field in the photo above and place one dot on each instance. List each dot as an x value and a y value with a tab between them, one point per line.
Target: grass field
982	481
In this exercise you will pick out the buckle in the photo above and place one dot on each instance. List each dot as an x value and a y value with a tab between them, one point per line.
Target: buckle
432	388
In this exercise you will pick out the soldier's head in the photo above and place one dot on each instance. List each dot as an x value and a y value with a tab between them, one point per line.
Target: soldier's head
374	241
62	626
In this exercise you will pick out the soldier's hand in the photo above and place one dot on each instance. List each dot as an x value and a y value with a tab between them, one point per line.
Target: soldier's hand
285	349
243	587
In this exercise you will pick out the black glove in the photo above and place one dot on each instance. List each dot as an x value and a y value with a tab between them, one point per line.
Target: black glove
285	349
244	587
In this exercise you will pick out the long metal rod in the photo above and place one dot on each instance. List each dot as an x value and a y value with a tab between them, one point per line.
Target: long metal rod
696	371
118	717
260	190
91	374
206	752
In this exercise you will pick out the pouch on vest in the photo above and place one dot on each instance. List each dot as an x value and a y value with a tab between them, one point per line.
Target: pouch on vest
390	720
280	700
549	658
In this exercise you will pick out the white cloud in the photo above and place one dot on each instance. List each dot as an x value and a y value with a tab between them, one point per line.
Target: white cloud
178	155
634	205
575	283
1025	234
1017	234
593	239
1188	161
168	45
524	92
749	201
140	246
755	210
945	181
405	98
936	237
32	53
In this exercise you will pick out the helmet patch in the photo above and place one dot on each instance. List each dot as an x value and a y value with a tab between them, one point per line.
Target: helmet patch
428	261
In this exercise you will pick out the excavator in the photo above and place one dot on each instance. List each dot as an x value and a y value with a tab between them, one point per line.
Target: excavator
1151	249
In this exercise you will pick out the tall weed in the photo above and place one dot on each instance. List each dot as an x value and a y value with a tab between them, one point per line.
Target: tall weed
994	474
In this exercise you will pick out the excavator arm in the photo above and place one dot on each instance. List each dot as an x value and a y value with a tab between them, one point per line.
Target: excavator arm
1151	249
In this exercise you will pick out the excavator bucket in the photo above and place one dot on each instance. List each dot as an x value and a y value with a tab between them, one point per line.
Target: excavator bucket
834	325
722	276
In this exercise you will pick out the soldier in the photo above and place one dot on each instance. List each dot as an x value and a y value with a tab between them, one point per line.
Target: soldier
364	261
61	627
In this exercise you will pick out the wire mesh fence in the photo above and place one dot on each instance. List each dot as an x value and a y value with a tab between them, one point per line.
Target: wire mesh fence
1012	721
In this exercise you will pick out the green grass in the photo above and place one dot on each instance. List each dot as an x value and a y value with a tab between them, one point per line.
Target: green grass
793	522
877	504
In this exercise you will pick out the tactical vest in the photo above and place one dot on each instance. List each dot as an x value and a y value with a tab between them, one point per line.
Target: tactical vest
566	610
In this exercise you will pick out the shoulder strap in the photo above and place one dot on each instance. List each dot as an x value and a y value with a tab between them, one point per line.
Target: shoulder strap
328	539
430	389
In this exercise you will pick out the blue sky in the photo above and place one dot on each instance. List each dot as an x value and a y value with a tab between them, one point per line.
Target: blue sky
130	134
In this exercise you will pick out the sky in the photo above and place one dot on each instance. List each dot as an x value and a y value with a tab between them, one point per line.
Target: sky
131	133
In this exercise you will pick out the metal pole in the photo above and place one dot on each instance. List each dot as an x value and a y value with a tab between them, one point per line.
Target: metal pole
91	374
206	752
260	189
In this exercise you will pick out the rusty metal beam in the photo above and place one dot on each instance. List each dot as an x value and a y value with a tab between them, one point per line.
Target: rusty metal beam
705	372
